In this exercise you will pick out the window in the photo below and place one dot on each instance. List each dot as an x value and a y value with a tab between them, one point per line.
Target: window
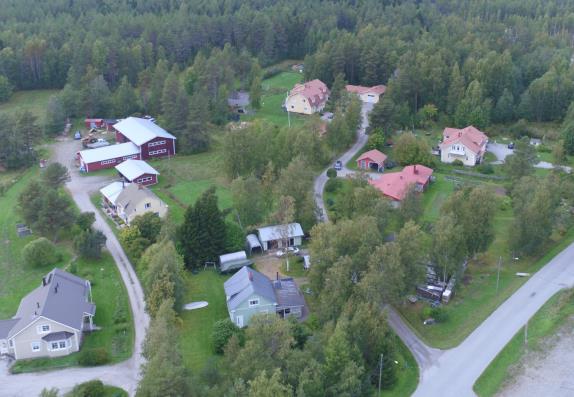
43	328
147	205
58	345
36	346
104	162
146	179
287	311
11	343
253	302
133	156
160	151
158	143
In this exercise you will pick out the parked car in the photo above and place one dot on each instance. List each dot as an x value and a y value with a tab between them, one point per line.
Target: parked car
283	252
338	165
77	136
511	145
98	143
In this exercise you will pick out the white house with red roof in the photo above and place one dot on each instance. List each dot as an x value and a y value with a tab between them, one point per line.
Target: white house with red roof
307	98
367	94
395	185
467	145
373	159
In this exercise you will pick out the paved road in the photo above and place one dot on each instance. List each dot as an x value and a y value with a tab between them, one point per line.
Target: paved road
456	370
501	151
320	181
125	374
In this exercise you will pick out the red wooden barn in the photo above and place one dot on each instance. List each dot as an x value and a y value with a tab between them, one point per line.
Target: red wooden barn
152	140
137	171
108	156
94	123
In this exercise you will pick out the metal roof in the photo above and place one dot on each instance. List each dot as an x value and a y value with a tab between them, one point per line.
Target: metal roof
140	131
112	191
132	194
109	152
278	232
287	293
64	298
133	169
253	241
245	283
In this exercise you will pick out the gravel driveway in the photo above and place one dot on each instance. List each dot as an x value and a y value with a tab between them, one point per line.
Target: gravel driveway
125	374
501	151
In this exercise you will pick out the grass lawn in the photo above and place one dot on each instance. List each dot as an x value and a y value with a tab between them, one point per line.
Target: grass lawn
34	100
542	325
274	93
296	268
407	372
196	345
435	196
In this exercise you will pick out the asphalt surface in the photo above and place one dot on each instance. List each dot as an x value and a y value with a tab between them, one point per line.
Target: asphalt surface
126	374
456	370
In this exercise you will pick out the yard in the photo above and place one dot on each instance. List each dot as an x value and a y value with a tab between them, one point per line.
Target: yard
197	325
557	312
34	100
275	90
18	278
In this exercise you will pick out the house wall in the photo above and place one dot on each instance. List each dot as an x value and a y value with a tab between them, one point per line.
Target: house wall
468	159
298	103
247	312
23	341
266	245
120	138
369	97
158	147
110	163
145	179
156	205
365	164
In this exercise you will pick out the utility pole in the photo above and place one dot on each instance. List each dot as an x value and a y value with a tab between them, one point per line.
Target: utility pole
380	372
498	273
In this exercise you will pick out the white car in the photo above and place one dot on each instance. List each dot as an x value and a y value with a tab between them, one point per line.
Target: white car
292	250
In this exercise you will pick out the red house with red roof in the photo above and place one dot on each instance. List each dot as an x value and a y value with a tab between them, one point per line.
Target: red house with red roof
372	160
395	185
367	94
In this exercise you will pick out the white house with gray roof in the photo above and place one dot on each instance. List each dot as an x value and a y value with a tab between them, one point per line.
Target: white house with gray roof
51	319
249	293
279	236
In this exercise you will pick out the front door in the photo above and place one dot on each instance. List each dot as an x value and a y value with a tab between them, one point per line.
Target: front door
239	321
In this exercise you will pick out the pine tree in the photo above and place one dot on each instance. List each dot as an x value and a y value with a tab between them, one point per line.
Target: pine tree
255	92
55	119
456	90
125	101
195	138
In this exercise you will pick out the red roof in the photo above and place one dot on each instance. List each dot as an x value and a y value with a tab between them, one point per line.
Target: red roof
315	91
374	155
396	184
359	89
471	137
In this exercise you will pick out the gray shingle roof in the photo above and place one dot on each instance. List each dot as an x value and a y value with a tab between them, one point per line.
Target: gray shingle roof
53	336
64	299
245	283
6	326
288	294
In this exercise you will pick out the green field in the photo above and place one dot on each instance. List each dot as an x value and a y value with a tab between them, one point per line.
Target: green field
555	313
407	372
34	100
17	279
197	325
275	91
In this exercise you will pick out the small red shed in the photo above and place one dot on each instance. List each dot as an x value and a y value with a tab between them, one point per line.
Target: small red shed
137	171
373	159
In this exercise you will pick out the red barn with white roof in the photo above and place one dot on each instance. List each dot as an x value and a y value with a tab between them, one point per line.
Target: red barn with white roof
152	140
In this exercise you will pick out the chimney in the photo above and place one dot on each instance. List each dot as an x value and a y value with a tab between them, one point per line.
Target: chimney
277	277
250	276
415	169
56	288
38	305
43	281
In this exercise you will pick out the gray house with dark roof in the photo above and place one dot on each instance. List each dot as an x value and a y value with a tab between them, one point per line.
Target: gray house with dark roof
51	319
249	293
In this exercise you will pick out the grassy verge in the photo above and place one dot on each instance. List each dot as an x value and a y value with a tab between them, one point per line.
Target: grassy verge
197	325
542	325
113	315
476	297
296	268
407	372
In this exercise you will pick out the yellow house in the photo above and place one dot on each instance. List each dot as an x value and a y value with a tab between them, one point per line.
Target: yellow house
307	98
130	200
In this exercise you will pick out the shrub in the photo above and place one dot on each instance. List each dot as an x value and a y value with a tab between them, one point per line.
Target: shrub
485	168
426	312
93	357
92	388
544	149
332	185
439	314
331	173
223	330
40	252
120	315
457	163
